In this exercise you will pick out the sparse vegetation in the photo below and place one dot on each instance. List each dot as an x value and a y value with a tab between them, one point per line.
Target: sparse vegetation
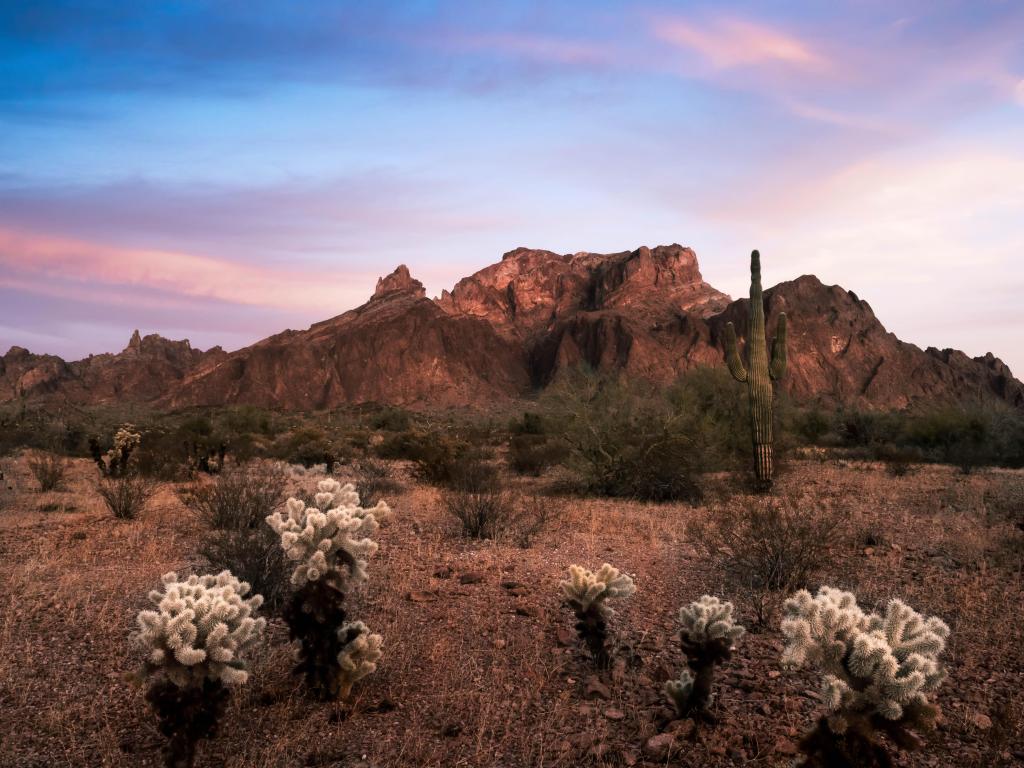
126	495
588	593
49	470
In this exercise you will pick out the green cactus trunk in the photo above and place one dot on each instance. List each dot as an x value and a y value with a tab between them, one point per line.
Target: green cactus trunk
759	373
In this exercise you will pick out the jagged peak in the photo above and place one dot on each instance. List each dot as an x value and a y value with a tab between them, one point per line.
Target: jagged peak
399	281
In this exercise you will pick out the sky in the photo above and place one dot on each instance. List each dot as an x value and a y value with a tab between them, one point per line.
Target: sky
220	171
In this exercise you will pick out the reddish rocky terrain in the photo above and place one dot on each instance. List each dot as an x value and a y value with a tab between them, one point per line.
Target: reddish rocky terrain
509	329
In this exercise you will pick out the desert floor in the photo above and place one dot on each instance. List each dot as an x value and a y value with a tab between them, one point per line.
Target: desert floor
481	667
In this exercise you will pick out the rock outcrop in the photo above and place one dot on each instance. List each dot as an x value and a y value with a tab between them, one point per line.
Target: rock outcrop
510	329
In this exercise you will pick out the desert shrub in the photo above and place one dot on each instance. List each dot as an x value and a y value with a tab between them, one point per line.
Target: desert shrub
899	461
530	423
587	594
439	458
239	499
307	446
329	544
531	454
235	507
768	545
126	495
811	425
627	441
530	515
49	470
194	644
708	636
375	482
391	419
878	672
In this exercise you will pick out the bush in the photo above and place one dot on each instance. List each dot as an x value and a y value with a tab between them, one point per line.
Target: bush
375	482
531	454
126	495
768	545
239	499
391	420
307	446
627	440
49	470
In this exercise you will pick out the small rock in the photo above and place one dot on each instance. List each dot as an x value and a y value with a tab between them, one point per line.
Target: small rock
565	636
981	721
615	714
657	747
444	573
596	689
524	609
419	596
500	642
473	577
785	747
682	729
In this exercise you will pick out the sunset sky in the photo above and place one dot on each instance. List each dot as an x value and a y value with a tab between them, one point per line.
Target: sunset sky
221	171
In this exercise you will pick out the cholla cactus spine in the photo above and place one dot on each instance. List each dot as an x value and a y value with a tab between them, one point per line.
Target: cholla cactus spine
588	593
708	634
878	670
759	373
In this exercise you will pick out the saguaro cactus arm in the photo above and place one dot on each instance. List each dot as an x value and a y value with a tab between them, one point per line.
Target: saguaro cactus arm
732	354
777	369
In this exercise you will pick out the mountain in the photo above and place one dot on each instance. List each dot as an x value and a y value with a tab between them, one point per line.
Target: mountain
510	328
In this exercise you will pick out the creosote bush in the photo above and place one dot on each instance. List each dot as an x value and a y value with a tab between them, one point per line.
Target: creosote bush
329	544
878	672
588	593
49	470
765	546
194	642
708	636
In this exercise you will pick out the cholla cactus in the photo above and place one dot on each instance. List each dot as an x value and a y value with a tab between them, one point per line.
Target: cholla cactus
117	461
200	628
194	642
878	672
330	542
708	636
358	658
331	535
587	594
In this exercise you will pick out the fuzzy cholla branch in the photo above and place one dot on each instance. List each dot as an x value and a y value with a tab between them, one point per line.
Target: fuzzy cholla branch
585	589
707	636
709	619
200	629
880	663
358	658
331	536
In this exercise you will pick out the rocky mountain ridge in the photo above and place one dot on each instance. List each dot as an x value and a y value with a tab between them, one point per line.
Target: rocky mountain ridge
509	329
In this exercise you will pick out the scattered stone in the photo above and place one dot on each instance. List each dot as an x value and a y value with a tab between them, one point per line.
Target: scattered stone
981	721
444	573
785	747
419	596
682	729
657	747
500	642
615	714
596	689
473	577
565	636
524	609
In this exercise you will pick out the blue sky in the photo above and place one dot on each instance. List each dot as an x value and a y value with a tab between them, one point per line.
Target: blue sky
220	171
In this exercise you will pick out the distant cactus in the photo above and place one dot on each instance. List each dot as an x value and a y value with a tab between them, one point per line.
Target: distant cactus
878	672
759	374
587	594
118	461
194	642
330	543
708	636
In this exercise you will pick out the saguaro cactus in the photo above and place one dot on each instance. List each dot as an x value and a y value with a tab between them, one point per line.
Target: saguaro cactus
759	373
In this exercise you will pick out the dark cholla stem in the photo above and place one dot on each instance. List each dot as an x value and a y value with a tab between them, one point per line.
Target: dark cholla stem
314	615
702	658
593	630
187	715
759	373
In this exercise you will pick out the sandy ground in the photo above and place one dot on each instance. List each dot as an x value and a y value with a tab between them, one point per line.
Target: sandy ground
479	669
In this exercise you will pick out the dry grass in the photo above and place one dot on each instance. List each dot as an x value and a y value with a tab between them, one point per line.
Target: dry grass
473	673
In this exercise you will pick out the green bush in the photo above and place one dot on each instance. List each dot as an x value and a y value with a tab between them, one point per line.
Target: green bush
531	454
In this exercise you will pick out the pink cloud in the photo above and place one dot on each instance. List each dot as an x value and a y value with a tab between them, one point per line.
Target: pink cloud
731	43
46	264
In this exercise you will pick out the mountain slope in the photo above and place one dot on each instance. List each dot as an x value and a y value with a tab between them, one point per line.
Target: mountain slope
510	328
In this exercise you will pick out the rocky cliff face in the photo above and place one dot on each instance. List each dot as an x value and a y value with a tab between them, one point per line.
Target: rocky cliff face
511	328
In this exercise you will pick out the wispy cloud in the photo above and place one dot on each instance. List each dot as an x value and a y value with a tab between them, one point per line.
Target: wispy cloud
732	42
